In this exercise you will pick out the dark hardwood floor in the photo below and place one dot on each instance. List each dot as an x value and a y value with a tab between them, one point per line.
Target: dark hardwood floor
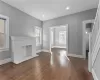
47	66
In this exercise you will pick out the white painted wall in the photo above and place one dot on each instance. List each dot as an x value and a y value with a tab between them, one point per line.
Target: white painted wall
75	29
20	24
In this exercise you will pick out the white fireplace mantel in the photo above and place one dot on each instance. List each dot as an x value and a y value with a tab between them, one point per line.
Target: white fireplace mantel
23	48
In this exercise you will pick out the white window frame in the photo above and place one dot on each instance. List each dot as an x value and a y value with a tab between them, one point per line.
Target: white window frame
40	29
6	32
62	42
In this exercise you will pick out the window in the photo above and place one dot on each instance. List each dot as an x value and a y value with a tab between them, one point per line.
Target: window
62	37
2	33
38	36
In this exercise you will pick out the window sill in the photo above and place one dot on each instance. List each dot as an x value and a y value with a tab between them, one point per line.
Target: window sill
1	50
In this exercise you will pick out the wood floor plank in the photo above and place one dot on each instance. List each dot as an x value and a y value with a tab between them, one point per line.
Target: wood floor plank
46	66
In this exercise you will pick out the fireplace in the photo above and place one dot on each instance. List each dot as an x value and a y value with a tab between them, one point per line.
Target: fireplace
23	48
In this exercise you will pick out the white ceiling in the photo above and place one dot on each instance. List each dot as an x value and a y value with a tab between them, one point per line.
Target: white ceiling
52	8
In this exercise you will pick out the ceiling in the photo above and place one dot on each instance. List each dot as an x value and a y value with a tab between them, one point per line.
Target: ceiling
49	9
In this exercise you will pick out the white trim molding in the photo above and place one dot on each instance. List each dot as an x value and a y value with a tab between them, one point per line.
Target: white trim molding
38	51
84	34
94	75
75	55
6	45
43	50
1	50
58	47
5	61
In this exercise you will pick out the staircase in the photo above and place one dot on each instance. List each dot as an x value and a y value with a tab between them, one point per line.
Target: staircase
94	57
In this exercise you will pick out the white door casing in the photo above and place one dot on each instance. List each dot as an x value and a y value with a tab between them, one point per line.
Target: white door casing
66	37
84	35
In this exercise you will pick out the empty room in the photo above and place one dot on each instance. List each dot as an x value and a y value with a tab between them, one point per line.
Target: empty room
49	39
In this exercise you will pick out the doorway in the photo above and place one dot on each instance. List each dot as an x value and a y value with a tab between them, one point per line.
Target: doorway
87	30
59	38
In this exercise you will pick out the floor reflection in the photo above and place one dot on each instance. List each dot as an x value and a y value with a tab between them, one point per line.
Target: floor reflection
51	59
63	53
62	57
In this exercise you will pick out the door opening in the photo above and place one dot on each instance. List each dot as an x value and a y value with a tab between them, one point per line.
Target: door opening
59	38
87	30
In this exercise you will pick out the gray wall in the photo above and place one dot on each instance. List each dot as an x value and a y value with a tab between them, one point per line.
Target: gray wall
21	24
75	29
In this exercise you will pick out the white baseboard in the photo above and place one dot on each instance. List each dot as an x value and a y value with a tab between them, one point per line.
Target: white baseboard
1	50
58	47
38	51
43	50
5	61
94	75
75	55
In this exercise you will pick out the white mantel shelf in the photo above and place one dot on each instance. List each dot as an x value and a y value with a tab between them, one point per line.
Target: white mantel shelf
23	48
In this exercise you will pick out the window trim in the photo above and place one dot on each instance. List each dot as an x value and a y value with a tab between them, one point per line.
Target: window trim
6	33
40	29
59	37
